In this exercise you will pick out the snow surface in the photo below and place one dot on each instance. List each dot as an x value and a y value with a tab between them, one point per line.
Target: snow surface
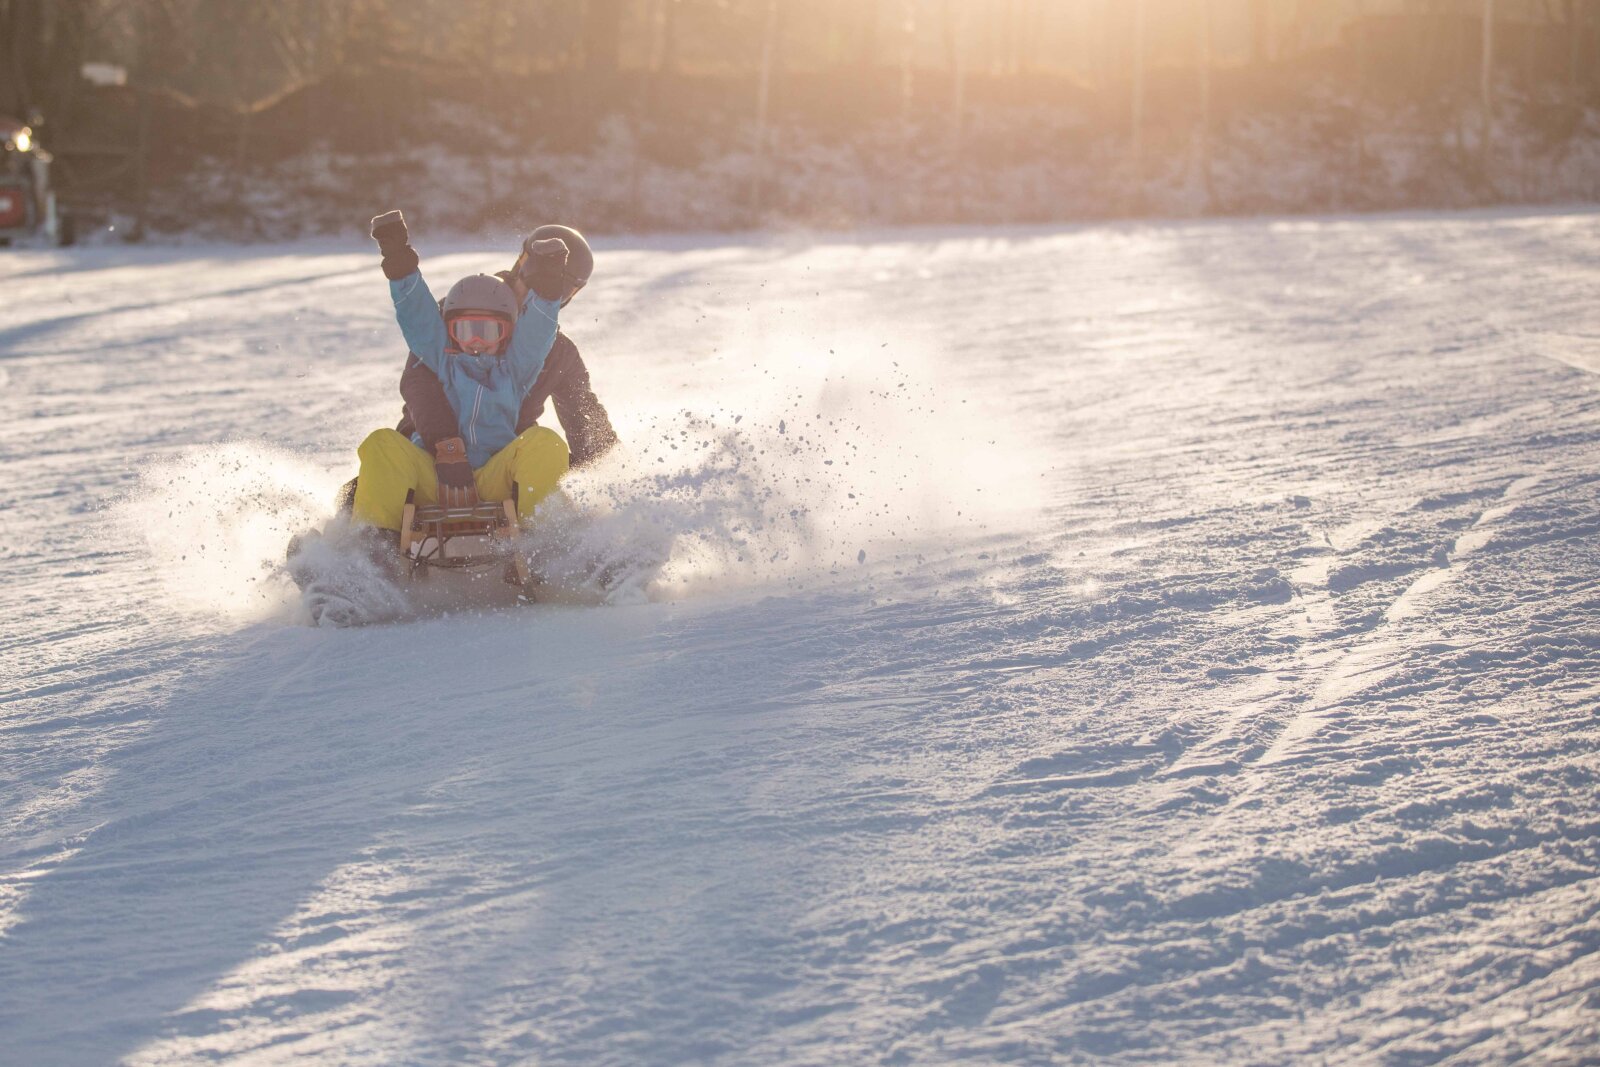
1124	644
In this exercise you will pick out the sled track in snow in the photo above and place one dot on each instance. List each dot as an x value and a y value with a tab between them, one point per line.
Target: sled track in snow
1264	731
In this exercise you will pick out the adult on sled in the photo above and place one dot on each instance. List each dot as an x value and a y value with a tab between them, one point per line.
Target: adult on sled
428	417
486	346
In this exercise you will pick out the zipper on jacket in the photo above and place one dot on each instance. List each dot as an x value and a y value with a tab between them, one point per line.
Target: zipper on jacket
472	423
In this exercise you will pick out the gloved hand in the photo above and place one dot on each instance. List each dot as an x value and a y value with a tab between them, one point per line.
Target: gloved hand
456	487
399	258
542	267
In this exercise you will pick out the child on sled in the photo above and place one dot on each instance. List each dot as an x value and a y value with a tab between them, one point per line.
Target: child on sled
486	342
485	345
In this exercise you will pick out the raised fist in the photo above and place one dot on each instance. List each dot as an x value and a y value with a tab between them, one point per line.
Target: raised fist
542	267
389	230
399	258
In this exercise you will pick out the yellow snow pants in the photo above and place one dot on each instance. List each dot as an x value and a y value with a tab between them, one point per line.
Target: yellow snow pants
391	465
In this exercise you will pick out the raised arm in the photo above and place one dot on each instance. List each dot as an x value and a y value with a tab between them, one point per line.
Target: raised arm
540	268
531	340
414	306
417	312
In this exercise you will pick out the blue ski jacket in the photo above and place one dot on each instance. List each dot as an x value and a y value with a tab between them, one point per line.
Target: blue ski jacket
486	391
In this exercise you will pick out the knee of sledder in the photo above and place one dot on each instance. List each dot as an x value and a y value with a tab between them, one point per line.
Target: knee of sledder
544	447
376	443
540	436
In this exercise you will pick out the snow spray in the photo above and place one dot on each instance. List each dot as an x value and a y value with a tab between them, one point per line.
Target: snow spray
808	466
815	459
215	520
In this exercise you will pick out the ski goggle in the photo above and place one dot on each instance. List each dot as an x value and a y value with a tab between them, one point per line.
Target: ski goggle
479	332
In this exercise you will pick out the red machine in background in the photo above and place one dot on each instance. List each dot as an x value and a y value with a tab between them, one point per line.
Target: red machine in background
28	207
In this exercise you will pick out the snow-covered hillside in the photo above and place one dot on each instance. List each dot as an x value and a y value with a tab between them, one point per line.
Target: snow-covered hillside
1129	644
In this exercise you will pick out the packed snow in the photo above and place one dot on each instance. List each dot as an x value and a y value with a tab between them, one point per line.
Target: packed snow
1160	642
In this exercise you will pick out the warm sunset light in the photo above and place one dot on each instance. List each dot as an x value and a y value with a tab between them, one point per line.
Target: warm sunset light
227	118
799	532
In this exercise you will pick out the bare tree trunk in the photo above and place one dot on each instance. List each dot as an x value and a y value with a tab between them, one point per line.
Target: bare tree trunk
1009	39
769	49
141	168
1486	82
602	36
1574	35
1038	45
1592	36
241	150
664	51
1136	152
491	15
491	38
156	55
24	47
908	56
10	46
1591	40
1205	105
1360	47
1109	50
1260	32
867	43
651	86
1295	40
70	43
955	26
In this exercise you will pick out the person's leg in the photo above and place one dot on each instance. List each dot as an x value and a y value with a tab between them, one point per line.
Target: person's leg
535	461
390	467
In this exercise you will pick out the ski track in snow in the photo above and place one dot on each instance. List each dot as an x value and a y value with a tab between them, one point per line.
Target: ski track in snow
1255	723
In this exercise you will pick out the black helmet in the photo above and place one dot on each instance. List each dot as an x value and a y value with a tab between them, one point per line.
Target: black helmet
580	257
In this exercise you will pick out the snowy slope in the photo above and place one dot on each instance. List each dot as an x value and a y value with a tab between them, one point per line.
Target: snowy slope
1152	643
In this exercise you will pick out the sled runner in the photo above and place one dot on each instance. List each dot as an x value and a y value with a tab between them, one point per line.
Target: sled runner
427	531
352	575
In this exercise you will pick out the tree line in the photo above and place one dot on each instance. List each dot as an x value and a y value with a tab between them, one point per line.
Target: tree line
1130	82
242	53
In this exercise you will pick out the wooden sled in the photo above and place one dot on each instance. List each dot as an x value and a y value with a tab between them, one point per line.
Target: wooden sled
427	532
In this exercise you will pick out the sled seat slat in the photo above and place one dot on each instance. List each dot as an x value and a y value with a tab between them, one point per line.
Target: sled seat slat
434	522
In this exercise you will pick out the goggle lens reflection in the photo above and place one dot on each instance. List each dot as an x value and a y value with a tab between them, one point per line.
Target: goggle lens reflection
484	330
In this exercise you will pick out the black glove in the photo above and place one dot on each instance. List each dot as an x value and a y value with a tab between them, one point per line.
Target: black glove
399	258
542	267
457	489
